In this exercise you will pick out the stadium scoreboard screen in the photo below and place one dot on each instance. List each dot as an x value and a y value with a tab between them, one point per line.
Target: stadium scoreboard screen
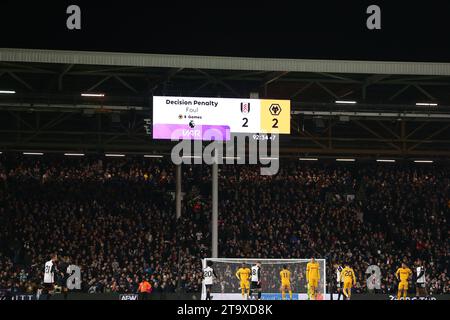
189	118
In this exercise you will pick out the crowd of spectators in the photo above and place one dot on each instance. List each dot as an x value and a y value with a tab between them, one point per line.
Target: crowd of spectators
115	218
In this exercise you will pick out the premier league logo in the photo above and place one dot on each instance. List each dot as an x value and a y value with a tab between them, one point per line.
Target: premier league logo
245	107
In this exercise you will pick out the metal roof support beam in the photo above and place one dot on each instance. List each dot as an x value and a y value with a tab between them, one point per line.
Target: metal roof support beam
273	77
99	83
313	139
224	84
23	82
375	134
126	84
66	69
430	136
372	80
21	120
204	85
425	92
59	119
331	93
399	92
171	73
304	88
333	76
388	129
424	124
25	68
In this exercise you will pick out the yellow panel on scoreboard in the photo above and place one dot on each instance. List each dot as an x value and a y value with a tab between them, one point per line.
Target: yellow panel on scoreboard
276	116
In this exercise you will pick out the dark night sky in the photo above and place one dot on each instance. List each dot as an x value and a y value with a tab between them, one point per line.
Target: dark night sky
412	30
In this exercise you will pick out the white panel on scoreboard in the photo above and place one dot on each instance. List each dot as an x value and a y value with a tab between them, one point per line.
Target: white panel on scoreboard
196	118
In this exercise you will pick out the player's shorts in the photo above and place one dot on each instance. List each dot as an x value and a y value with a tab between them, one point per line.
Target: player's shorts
348	284
208	286
338	285
313	283
420	285
256	285
245	285
285	284
403	285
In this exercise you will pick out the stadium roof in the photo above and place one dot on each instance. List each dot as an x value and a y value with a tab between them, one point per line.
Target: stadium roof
223	63
48	113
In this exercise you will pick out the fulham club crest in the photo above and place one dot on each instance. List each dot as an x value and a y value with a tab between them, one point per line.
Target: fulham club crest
245	107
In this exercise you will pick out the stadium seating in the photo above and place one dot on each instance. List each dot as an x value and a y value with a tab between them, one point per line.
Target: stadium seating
116	219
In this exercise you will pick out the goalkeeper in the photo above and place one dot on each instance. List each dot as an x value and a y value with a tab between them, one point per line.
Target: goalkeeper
243	274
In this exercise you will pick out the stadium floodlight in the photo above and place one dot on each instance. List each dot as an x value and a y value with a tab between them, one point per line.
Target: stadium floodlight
385	160
309	159
423	161
424	104
7	92
111	155
93	95
153	156
345	160
74	154
345	102
33	154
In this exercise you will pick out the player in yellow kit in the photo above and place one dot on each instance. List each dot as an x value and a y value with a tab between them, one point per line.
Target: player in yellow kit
312	277
403	274
349	279
285	276
243	274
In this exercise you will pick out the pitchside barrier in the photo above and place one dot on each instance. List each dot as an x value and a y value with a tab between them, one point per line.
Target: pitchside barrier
184	297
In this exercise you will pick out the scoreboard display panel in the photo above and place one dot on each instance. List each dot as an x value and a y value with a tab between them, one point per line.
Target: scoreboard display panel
190	118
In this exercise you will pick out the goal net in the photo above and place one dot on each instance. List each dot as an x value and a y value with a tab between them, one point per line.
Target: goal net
227	286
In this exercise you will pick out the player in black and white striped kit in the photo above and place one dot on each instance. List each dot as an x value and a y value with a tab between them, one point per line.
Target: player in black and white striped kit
339	269
421	288
208	276
49	275
256	280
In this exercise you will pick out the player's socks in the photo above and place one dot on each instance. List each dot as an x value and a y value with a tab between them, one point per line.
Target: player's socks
259	295
282	295
290	294
339	295
404	294
243	293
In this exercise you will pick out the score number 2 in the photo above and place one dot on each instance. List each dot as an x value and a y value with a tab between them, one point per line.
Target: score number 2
274	126
275	123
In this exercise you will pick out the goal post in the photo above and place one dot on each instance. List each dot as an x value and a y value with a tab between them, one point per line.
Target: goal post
227	286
